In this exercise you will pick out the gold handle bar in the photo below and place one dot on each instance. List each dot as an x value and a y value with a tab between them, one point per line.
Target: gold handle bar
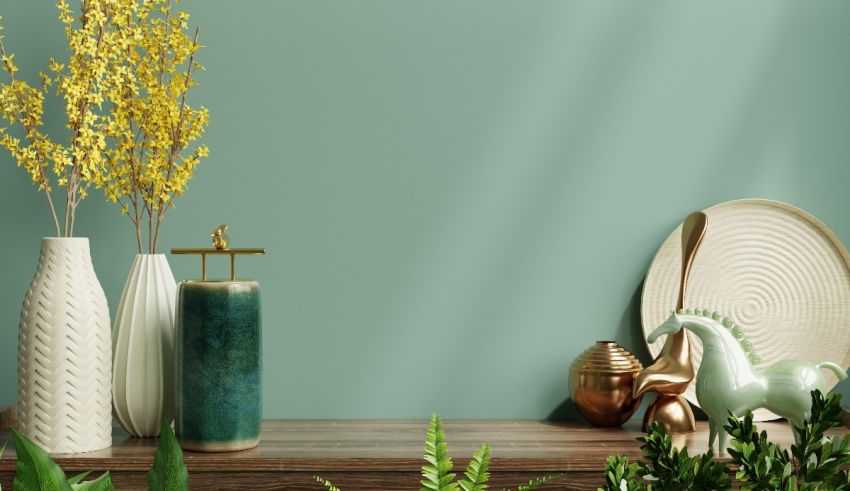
203	252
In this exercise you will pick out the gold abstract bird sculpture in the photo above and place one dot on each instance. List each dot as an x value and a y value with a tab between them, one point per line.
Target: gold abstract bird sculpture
220	239
672	370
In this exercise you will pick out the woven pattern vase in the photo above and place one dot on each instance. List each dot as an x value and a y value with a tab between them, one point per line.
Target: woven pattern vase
65	353
143	383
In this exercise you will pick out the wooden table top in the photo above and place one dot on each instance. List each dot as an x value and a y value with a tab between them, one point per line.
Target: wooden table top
382	455
397	445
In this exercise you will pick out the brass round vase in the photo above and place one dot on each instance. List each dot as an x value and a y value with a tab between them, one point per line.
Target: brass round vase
601	380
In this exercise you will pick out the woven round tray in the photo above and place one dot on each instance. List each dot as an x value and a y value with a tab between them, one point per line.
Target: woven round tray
775	270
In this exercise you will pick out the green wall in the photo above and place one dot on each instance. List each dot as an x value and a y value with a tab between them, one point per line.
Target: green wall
459	197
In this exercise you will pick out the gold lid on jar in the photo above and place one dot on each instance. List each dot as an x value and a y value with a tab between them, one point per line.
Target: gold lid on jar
607	356
221	247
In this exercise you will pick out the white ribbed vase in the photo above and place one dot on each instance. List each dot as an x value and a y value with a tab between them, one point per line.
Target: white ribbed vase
64	353
143	343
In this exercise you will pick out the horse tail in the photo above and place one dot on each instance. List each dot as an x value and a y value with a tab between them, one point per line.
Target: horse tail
832	367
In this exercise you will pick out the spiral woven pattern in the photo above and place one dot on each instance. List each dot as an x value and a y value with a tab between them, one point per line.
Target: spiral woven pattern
776	271
65	353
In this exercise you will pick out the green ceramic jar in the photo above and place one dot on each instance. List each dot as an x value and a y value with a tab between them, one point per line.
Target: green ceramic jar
218	365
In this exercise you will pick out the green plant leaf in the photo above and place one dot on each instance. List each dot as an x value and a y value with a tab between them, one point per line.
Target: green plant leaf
814	463
168	471
34	469
665	467
102	483
79	477
619	473
537	482
437	469
327	484
477	471
815	460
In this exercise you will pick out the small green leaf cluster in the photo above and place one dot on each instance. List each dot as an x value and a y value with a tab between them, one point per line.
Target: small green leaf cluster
814	462
762	464
620	475
437	472
36	471
665	467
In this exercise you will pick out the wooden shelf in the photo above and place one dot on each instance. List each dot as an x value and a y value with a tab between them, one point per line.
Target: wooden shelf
381	455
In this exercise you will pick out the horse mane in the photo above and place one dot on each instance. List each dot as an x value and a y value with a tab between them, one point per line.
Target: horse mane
736	331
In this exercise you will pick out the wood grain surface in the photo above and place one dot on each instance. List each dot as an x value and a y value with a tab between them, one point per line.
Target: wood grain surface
381	455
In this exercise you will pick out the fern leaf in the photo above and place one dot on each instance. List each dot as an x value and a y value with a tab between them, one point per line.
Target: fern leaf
437	471
477	471
537	482
327	484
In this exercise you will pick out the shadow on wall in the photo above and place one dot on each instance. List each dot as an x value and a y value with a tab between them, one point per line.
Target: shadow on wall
629	335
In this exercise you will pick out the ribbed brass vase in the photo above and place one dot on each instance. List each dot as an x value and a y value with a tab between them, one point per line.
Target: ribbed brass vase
601	380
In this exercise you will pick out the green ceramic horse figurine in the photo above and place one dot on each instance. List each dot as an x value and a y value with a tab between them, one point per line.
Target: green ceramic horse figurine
727	382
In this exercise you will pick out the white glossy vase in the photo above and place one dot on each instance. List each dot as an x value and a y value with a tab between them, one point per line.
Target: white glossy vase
64	353
143	343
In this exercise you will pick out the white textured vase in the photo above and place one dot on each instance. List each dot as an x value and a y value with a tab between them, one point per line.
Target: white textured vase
64	353
143	343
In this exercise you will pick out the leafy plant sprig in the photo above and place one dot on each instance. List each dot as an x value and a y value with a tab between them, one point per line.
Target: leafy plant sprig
34	469
437	472
168	470
477	472
326	484
814	462
819	458
761	463
667	466
620	475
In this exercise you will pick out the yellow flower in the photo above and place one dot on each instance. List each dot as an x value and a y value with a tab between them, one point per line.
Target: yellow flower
124	85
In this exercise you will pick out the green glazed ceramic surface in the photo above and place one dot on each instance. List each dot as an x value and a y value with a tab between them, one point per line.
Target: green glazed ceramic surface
728	382
218	365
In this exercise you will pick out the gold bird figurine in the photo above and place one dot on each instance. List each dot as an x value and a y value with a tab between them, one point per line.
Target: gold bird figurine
669	376
672	372
220	239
